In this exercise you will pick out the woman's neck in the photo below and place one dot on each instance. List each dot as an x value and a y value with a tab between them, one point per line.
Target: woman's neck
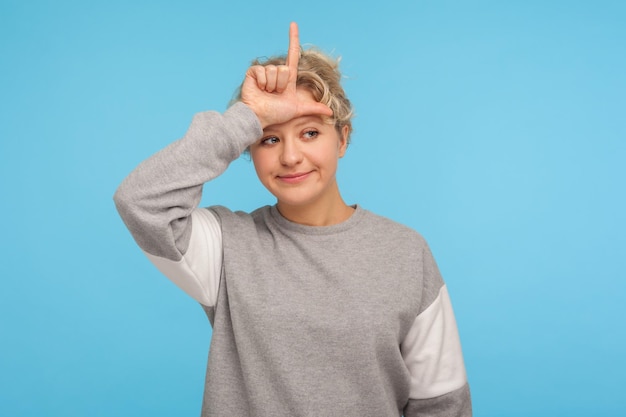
319	213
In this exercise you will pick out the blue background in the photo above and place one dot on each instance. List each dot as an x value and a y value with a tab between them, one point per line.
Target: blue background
495	128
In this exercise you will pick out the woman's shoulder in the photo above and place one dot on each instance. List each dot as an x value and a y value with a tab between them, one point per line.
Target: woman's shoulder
386	227
239	222
224	214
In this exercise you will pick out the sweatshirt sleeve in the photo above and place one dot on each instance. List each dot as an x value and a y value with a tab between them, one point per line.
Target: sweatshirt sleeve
433	356
158	200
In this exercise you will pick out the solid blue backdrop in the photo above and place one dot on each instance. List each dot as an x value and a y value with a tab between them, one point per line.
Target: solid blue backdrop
496	129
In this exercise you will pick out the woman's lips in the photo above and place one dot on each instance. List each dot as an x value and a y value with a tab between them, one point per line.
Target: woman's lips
294	178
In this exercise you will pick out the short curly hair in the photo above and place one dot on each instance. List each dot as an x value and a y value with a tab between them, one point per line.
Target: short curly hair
319	73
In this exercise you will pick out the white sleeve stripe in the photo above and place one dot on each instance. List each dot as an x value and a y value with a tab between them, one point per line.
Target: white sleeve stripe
432	351
198	272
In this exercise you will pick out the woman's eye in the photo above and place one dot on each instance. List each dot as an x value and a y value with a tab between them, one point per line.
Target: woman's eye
269	141
310	134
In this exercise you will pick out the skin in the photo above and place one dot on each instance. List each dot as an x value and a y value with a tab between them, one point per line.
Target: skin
297	157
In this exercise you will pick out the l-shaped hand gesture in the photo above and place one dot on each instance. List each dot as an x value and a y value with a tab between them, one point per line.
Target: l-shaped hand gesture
270	90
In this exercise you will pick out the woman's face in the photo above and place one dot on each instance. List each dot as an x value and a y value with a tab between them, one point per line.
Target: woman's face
297	160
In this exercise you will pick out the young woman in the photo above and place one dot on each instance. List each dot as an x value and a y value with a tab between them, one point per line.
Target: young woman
318	308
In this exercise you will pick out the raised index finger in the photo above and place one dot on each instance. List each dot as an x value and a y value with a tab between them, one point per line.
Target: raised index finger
293	53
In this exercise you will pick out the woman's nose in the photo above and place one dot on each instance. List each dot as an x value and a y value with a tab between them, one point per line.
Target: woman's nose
290	153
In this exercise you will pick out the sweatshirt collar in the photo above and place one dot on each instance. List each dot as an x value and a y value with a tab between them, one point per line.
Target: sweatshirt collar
353	220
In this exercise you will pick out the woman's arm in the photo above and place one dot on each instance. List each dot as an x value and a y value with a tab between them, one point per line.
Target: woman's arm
432	353
158	200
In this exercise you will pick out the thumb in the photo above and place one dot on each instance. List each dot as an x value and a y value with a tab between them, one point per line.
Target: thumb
314	108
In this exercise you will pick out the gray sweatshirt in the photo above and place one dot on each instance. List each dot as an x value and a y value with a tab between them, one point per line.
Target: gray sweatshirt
352	319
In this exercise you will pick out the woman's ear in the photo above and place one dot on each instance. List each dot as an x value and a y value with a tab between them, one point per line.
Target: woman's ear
343	141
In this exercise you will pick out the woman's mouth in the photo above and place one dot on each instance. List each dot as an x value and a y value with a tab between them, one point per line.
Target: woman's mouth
294	178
